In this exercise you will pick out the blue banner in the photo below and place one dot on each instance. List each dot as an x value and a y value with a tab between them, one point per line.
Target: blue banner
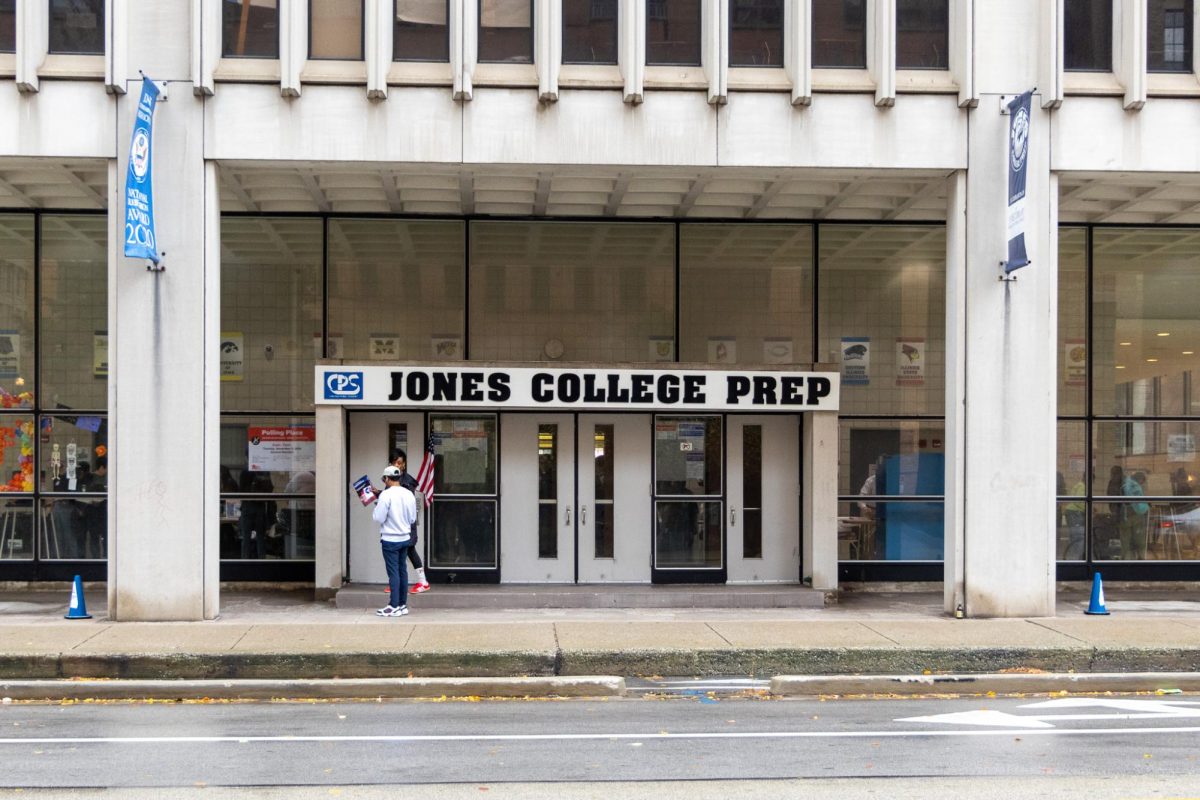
140	241
1018	167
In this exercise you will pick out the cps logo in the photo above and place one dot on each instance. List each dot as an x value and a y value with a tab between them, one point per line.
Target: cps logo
344	386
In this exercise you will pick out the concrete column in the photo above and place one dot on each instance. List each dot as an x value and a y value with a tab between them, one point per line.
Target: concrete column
1005	398
164	390
332	494
956	327
819	506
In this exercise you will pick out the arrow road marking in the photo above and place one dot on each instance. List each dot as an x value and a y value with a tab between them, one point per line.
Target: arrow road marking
1134	709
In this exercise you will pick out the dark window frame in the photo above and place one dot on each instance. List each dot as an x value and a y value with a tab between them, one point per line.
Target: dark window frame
50	37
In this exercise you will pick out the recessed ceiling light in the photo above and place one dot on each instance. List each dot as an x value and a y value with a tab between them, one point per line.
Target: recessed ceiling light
1189	352
1125	344
1151	360
1163	333
1120	366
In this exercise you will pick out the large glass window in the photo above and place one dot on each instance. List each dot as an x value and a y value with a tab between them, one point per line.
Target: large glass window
251	28
335	29
589	31
1169	35
756	33
881	310
922	34
839	33
8	26
74	320
421	30
1145	331
1072	321
271	313
16	311
673	30
77	27
1087	35
746	293
544	291
688	485
506	31
396	288
464	513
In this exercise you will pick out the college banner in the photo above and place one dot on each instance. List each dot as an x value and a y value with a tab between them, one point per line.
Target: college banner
1018	166
140	241
910	361
856	360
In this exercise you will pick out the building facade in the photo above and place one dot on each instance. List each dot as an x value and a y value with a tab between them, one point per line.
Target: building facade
730	189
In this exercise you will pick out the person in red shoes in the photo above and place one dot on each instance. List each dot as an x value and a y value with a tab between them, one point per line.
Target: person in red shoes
400	462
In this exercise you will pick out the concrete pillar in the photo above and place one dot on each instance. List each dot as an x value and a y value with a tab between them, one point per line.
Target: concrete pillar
164	327
1001	407
332	494
819	506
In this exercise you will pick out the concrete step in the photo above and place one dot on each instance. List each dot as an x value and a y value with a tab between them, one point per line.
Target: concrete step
611	595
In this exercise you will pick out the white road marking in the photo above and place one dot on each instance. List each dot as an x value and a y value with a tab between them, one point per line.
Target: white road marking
542	737
1135	709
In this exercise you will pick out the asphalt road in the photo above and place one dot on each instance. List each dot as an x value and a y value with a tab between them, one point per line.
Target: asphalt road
1143	743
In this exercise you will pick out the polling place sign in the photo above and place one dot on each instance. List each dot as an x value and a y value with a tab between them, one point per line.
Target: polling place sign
533	388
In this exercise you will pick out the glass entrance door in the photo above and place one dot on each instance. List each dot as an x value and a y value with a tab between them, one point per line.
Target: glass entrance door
463	545
537	491
764	499
688	499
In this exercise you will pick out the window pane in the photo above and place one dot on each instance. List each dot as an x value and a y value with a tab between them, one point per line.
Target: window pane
465	452
396	288
547	449
1072	530
839	33
421	31
896	531
464	534
252	461
77	26
882	313
756	33
1136	530
335	29
589	32
251	29
602	452
1087	35
687	456
74	312
922	34
1072	321
16	311
506	31
74	454
17	434
687	534
600	292
1169	35
16	533
1145	331
1072	473
1162	453
749	288
74	528
752	491
271	313
673	32
8	26
882	457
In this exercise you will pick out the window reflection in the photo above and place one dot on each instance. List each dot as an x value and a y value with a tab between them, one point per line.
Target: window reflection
74	320
1087	35
922	34
250	29
335	29
589	31
673	32
839	33
756	33
8	26
76	27
506	31
1169	35
421	31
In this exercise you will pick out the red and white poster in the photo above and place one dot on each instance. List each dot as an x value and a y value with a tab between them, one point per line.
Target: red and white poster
286	448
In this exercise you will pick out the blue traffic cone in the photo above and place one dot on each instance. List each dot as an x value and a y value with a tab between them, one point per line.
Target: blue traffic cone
78	609
1097	605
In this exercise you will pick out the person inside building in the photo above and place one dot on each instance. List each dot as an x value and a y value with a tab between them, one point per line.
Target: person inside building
257	516
1134	527
396	513
1074	513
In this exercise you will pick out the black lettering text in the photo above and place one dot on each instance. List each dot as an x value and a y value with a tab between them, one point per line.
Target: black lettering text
793	391
541	387
445	386
764	391
641	389
397	386
818	388
471	390
568	388
590	393
498	389
616	393
418	386
737	386
693	389
668	388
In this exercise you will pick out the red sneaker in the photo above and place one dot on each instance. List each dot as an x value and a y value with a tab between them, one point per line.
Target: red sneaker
419	588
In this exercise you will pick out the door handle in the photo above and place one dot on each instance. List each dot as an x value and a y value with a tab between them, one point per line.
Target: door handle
733	517
568	522
583	516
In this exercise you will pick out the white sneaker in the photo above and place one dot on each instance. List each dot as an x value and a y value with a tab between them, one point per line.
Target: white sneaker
386	611
399	612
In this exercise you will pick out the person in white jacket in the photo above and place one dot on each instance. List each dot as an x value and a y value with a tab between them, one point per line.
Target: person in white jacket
395	511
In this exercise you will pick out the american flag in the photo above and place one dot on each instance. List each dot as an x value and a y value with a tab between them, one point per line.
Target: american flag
425	475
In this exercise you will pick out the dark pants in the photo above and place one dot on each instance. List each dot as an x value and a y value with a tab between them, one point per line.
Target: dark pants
413	555
394	554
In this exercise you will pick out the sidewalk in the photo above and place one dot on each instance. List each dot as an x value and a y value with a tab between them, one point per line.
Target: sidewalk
280	635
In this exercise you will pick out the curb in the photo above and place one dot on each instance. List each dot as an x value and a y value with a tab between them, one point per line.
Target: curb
331	689
1004	683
